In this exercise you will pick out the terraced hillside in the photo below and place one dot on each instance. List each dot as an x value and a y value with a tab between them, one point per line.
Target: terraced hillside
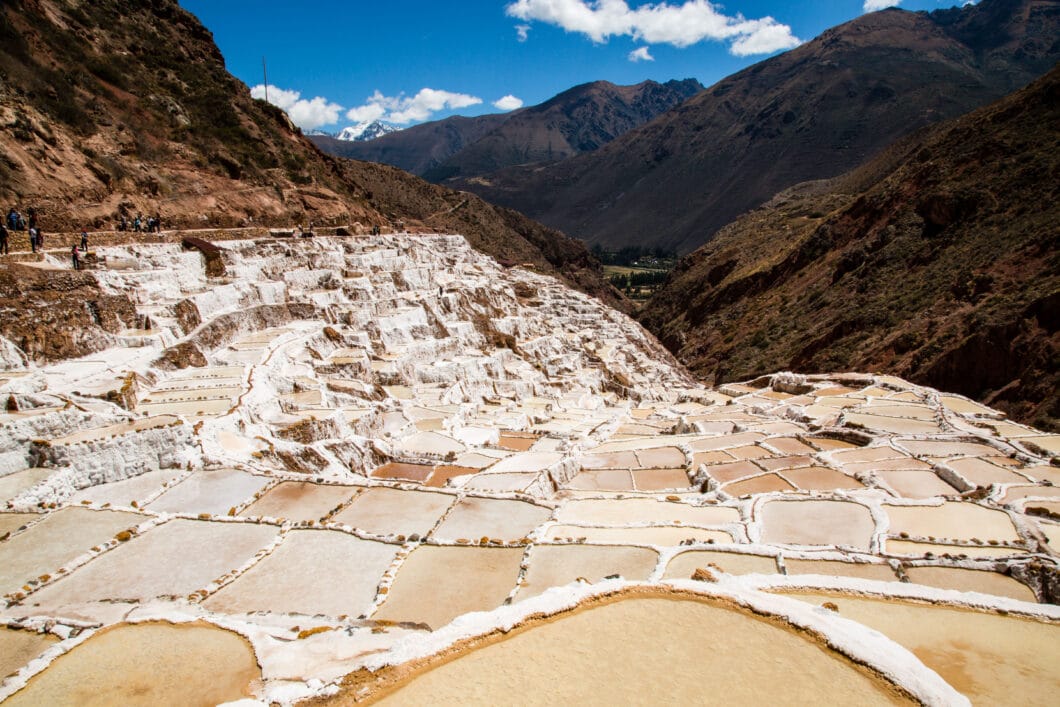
319	461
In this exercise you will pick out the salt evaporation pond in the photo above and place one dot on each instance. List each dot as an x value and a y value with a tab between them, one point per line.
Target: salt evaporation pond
648	650
147	664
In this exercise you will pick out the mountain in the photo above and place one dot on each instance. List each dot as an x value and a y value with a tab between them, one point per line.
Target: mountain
416	149
810	113
366	130
124	107
938	261
578	120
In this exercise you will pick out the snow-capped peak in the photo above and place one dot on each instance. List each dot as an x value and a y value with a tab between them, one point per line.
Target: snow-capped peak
368	130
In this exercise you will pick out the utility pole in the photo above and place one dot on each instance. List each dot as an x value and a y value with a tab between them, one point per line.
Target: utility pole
265	74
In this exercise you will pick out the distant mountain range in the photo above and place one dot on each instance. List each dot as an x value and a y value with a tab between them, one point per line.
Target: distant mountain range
810	113
361	132
578	120
938	261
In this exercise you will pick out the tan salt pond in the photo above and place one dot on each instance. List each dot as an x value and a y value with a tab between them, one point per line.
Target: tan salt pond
620	512
123	493
57	540
17	648
311	572
954	520
299	500
474	518
500	483
820	478
989	658
517	442
385	511
766	483
588	655
148	664
835	568
664	535
214	491
817	523
602	480
11	522
557	565
156	564
14	484
915	549
436	584
983	473
917	484
684	565
964	580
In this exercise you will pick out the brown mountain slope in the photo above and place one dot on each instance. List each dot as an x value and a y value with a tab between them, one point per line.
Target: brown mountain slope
118	106
939	262
580	119
811	113
416	149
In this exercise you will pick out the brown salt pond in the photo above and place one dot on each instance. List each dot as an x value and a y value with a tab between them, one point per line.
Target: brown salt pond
517	442
636	651
17	648
991	659
436	584
400	470
148	664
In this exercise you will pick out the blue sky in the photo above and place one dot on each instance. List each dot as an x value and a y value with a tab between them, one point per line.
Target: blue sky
332	63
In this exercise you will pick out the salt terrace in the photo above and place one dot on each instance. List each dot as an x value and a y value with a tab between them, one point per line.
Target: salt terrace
396	445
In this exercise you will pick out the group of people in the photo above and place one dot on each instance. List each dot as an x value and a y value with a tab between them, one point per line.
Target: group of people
16	222
152	224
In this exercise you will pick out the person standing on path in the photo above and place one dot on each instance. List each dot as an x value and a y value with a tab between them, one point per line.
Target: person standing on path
84	241
4	249
75	256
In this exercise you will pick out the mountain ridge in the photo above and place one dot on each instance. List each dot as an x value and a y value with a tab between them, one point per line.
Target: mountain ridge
813	112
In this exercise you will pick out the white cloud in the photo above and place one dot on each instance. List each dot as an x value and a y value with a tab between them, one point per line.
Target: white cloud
522	32
307	115
874	5
508	102
404	109
681	25
641	54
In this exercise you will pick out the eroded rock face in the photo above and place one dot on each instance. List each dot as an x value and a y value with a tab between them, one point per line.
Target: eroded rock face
390	432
